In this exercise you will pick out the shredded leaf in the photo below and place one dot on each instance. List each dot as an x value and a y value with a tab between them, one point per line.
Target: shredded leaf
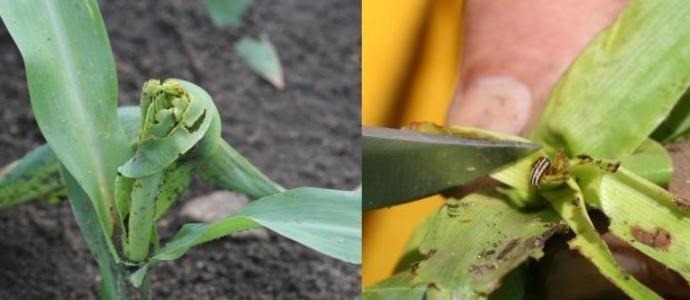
474	241
569	203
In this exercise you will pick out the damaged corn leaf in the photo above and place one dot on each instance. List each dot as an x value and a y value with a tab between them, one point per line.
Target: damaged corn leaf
411	252
650	161
227	12
328	221
475	241
397	287
643	214
35	176
224	168
177	115
175	181
568	202
629	78
262	57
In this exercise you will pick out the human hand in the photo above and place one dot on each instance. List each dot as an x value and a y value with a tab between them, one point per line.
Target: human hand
515	51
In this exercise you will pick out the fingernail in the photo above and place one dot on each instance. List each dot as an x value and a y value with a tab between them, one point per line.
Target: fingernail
499	103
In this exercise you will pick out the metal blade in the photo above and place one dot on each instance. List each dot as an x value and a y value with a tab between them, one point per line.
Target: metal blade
402	165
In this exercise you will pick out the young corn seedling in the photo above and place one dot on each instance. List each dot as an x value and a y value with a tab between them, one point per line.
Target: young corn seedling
602	153
259	54
123	168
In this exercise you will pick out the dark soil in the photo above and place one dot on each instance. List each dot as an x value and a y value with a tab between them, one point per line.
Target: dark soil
306	135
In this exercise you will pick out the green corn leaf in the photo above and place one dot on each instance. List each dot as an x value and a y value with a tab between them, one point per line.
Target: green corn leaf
328	221
568	201
227	12
411	252
628	78
650	161
397	287
34	176
175	181
178	115
643	214
73	86
113	285
129	118
477	240
262	57
677	124
513	285
123	192
228	169
37	174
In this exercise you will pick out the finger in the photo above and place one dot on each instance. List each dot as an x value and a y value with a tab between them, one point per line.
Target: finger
515	51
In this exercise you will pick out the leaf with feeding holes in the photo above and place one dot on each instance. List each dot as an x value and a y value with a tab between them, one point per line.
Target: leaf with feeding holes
643	214
568	202
475	241
176	116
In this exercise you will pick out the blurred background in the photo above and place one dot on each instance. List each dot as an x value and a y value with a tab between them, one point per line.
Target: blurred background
410	66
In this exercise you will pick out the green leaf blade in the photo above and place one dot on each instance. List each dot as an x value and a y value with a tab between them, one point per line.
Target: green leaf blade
629	78
262	57
34	176
112	277
227	13
228	169
397	287
328	221
73	86
650	161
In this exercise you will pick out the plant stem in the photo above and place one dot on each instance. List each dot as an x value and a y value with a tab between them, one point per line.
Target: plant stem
141	216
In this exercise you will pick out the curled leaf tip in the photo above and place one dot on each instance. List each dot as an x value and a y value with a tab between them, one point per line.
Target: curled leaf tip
176	116
164	107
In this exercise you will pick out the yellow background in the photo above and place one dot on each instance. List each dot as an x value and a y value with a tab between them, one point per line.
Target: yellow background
411	57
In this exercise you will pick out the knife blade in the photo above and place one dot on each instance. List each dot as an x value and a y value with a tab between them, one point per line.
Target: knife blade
399	166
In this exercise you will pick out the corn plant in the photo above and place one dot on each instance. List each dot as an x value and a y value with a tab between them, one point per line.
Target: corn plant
597	155
123	168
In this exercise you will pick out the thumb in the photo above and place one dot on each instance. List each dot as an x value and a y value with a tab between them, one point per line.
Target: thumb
515	51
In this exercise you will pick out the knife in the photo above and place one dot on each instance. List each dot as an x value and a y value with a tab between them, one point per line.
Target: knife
399	166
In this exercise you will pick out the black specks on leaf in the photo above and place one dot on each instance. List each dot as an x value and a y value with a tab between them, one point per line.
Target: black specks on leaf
507	249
